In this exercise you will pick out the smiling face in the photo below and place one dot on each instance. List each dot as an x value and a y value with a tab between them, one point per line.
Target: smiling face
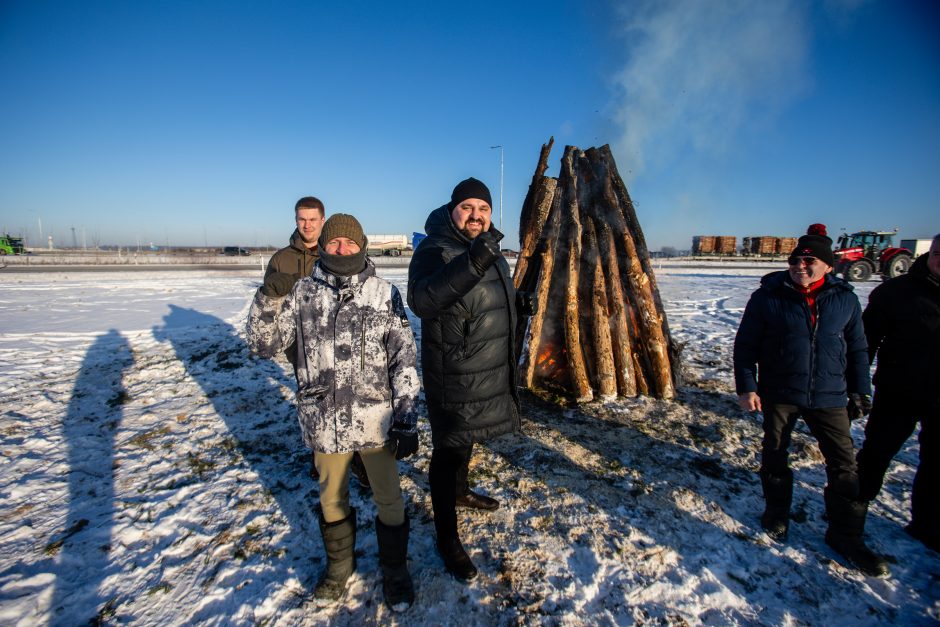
804	271
309	224
472	216
341	246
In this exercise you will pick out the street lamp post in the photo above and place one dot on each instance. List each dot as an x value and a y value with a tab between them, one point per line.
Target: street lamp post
500	184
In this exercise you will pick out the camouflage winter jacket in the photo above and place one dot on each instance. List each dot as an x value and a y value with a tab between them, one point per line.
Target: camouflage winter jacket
356	356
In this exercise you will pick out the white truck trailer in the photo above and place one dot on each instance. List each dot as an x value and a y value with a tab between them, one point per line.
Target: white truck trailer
917	246
385	244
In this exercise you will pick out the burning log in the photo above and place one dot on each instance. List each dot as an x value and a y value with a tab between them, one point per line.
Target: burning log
600	328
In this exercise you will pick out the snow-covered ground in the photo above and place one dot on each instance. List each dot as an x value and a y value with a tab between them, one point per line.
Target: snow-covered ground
151	472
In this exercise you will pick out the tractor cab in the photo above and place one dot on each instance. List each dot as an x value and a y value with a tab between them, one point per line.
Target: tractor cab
862	254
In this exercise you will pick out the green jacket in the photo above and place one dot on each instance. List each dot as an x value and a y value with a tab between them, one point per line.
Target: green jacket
297	260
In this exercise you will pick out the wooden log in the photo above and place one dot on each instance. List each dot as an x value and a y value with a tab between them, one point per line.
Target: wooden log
604	377
629	212
535	331
538	201
648	317
624	367
581	385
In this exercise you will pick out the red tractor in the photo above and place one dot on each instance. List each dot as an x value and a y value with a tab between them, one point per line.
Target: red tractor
862	254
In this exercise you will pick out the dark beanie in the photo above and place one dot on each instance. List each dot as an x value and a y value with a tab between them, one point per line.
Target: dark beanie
341	225
818	246
470	188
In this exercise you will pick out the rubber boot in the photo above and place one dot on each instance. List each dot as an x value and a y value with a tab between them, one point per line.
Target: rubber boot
846	527
339	540
467	497
393	558
778	495
456	560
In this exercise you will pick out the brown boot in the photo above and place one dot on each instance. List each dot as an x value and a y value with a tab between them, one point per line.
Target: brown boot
339	540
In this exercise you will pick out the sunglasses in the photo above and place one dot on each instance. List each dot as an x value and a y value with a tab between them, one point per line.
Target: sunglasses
795	261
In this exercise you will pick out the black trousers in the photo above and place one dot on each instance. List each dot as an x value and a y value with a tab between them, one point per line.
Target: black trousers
830	427
893	419
447	465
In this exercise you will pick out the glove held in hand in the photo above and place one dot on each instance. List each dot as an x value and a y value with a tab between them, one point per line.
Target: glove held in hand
859	405
484	251
278	284
403	440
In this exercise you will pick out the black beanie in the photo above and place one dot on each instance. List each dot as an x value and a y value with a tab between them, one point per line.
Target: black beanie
818	246
470	188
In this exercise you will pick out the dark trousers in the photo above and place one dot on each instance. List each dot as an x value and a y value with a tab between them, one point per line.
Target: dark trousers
893	419
830	427
447	463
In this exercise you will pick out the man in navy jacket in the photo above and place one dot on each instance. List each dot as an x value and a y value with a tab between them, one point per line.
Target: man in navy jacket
801	352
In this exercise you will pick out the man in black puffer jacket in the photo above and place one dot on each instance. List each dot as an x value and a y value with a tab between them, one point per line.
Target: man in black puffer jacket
801	351
902	324
459	285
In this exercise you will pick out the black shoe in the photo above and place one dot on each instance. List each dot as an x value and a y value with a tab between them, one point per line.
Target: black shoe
776	523
456	560
474	500
858	554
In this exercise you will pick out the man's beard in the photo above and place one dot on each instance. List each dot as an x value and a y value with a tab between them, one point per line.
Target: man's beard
471	234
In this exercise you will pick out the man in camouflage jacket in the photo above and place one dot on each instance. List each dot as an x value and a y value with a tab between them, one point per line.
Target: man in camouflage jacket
357	392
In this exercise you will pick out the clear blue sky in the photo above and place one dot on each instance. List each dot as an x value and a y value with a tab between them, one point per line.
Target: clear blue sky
194	122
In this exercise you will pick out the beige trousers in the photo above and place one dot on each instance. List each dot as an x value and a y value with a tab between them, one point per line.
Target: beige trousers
382	469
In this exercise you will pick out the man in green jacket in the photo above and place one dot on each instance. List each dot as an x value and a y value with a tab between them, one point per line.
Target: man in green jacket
297	259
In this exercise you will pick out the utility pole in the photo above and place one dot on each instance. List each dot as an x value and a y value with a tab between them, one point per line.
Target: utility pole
500	184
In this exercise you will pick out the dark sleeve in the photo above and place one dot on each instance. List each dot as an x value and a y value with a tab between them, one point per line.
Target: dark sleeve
874	322
433	285
857	375
747	346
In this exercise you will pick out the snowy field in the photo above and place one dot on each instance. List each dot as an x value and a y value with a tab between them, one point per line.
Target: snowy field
151	472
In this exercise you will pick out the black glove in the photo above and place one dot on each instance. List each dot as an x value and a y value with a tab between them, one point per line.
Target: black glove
404	440
859	405
484	251
526	304
278	284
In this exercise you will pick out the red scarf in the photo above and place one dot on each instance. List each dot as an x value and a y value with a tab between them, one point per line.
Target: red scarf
810	292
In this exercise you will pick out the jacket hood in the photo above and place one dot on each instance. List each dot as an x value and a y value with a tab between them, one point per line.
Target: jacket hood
439	224
781	279
297	242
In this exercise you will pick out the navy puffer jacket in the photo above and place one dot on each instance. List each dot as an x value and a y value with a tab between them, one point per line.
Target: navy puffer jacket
781	356
467	326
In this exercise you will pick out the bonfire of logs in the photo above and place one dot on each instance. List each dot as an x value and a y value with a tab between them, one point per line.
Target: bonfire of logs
600	330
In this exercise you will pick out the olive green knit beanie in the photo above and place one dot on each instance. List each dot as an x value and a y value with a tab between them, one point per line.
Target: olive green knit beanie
342	225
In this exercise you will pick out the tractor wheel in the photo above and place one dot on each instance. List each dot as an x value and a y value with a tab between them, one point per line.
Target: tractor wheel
898	265
858	271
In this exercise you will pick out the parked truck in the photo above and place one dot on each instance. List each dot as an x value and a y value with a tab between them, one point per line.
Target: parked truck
392	245
10	245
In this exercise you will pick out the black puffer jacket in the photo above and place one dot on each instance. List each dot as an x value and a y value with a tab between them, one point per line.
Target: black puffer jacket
902	324
467	328
782	356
